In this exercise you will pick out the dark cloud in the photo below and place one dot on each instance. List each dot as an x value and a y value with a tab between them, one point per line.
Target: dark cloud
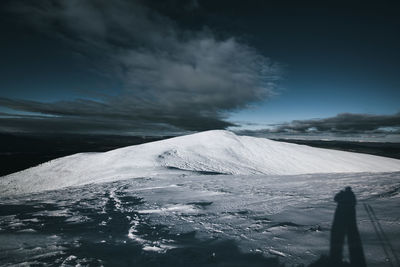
100	117
180	78
345	123
37	124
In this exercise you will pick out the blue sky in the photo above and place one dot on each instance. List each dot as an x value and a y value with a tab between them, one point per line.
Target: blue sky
198	65
295	103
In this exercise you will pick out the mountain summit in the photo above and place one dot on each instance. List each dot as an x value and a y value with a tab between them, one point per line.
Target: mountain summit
216	151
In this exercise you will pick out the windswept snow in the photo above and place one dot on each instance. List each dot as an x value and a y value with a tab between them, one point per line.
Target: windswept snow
171	220
212	151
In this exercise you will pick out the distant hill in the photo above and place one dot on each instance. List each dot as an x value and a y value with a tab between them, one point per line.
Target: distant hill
211	151
391	150
22	151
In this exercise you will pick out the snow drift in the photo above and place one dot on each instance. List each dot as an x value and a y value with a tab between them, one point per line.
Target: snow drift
212	151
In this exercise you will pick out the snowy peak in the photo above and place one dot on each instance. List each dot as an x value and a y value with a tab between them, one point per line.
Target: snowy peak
211	151
225	152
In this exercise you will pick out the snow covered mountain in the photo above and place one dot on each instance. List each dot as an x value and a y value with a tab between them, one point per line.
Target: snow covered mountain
211	151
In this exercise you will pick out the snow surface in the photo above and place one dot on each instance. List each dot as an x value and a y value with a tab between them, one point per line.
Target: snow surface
150	221
211	151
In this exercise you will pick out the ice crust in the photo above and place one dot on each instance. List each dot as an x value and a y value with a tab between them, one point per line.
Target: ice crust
215	151
154	220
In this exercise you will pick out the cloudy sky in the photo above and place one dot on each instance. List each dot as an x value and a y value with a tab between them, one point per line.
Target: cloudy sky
152	67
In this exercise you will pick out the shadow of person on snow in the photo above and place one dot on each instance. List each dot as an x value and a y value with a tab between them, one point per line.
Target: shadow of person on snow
344	225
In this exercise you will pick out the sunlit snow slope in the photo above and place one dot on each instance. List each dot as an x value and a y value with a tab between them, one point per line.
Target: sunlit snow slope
212	151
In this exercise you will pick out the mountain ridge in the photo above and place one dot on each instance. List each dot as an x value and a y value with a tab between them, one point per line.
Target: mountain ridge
216	151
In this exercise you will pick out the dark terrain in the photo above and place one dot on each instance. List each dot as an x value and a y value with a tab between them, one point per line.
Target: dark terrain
391	150
18	152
